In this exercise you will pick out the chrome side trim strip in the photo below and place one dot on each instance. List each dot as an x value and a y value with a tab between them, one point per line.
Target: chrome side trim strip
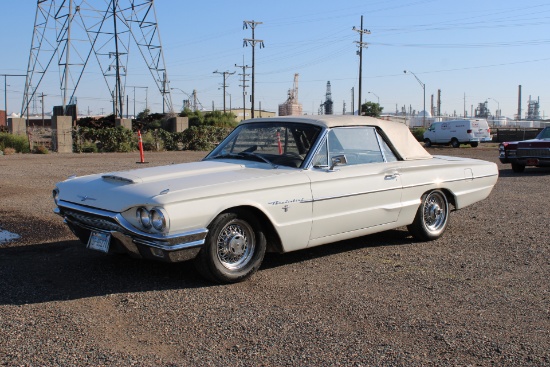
350	195
448	181
392	189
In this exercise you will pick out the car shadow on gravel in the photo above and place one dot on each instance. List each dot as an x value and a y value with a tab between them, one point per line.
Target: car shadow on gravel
396	237
65	270
535	171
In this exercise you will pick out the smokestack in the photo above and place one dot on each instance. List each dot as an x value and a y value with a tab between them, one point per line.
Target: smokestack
519	103
439	102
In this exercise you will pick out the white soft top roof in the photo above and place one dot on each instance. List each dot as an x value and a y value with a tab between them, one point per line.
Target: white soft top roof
399	134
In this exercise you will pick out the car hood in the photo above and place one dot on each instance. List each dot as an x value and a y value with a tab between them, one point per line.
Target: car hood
118	191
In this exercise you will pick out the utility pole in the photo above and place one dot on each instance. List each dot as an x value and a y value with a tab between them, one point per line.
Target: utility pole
361	45
252	42
6	92
353	100
244	80
225	76
42	97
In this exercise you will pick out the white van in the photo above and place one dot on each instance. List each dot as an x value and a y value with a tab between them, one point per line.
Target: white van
456	132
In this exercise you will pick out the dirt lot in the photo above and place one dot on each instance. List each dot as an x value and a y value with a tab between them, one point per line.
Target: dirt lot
479	296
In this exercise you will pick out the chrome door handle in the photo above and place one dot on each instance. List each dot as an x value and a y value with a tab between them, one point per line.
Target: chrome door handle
391	176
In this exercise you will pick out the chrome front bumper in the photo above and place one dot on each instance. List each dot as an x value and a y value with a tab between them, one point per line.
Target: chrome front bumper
170	248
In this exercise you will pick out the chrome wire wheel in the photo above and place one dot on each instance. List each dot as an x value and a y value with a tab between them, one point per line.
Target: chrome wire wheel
431	217
235	244
435	211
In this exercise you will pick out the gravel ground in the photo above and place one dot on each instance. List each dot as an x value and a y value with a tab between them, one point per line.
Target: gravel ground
478	296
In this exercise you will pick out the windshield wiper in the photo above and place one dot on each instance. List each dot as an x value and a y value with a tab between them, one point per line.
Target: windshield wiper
245	155
252	154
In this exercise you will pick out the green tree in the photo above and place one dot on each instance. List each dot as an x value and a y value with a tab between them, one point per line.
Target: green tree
371	109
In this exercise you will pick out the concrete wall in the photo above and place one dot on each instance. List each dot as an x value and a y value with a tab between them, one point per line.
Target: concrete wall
17	126
176	124
125	123
62	137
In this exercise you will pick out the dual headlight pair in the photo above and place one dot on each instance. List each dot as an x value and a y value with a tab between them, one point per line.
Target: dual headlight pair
155	218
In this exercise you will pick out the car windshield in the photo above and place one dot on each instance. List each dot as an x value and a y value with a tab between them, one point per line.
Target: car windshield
276	143
544	134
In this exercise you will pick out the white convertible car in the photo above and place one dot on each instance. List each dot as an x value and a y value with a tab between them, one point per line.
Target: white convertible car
278	184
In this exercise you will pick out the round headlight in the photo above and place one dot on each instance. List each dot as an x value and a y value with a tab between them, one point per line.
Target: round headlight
158	219
143	217
55	195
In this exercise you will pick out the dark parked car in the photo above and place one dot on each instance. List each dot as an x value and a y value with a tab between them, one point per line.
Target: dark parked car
533	152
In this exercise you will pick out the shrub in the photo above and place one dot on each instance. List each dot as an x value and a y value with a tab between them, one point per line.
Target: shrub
40	149
88	147
9	151
204	137
418	133
19	143
152	141
115	139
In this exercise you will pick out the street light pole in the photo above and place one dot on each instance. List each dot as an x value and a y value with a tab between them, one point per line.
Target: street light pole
498	106
424	89
376	97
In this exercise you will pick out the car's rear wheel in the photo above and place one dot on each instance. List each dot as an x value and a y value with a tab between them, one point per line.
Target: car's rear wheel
518	168
427	143
234	248
431	217
455	143
474	145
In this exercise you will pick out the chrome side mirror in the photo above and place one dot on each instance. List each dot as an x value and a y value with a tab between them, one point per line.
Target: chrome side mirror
337	161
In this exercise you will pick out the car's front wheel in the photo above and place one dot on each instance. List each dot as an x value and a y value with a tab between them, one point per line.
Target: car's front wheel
431	217
427	143
234	248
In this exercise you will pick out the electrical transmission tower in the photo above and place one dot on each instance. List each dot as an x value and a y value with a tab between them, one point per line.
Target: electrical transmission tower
74	32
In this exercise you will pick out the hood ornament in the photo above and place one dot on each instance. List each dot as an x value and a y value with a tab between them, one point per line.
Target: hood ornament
84	198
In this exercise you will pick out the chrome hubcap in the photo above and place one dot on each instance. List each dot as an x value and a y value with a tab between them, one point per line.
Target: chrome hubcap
235	244
435	212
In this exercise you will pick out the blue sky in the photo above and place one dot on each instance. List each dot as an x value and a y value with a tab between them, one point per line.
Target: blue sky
472	51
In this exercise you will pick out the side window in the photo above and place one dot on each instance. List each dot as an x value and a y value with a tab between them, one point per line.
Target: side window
386	150
321	158
360	145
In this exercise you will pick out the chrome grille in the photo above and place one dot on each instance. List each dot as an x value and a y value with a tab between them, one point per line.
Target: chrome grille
533	152
92	221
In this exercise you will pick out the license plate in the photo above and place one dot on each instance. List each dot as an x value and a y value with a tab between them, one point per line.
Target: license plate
532	162
99	241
